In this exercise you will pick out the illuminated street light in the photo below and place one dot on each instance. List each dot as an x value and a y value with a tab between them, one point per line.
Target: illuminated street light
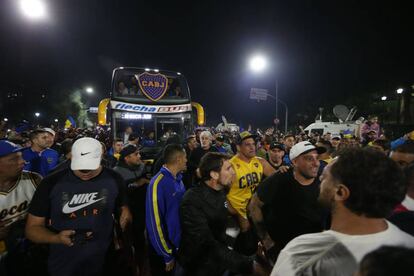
37	114
5	119
33	9
156	70
400	90
257	63
89	90
383	98
56	120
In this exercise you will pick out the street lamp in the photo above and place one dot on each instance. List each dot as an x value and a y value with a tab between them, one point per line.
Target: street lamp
33	9
56	120
258	63
37	114
5	119
89	90
383	98
400	90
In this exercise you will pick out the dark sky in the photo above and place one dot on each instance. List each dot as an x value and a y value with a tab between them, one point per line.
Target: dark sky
322	52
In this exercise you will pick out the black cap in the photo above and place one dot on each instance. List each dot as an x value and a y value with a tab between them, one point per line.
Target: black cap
220	138
243	136
276	145
127	150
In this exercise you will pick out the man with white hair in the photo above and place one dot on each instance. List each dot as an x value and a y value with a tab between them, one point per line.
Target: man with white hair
206	142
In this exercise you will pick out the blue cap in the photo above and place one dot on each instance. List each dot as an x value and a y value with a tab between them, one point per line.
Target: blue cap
7	147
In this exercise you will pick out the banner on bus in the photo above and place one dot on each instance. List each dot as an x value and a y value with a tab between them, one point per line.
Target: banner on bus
142	108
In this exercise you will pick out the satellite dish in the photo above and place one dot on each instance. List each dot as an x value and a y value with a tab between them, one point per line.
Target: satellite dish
341	112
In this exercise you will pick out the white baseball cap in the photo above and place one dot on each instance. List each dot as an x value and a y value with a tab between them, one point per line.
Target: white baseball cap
86	154
336	136
302	148
49	130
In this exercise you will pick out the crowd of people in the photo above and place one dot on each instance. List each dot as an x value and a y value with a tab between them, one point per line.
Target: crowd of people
76	202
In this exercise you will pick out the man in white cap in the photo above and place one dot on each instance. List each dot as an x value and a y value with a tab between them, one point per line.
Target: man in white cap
50	137
286	205
79	204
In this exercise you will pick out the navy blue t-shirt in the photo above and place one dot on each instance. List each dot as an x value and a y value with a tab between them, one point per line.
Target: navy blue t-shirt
70	203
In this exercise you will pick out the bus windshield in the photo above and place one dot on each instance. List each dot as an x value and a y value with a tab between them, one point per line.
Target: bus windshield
152	130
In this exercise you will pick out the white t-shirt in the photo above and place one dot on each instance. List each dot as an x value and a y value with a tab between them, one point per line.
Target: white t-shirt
408	203
15	202
333	253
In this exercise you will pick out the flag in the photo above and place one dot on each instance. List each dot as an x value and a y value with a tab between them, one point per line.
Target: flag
70	122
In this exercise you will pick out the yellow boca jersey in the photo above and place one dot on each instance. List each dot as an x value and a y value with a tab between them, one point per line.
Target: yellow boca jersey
248	176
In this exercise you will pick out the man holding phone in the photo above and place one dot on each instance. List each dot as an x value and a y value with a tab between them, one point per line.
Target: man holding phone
73	211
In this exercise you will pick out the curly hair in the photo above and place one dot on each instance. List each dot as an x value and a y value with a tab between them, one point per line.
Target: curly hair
376	182
407	147
387	260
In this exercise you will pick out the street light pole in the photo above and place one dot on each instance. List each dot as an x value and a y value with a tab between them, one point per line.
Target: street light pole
276	93
286	115
286	109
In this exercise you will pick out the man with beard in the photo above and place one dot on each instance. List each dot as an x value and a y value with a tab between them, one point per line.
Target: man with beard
249	173
361	187
203	214
275	156
286	205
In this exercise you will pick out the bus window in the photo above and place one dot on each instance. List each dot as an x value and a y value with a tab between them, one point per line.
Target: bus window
126	84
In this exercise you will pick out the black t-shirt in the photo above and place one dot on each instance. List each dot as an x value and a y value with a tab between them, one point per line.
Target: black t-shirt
198	153
70	203
290	209
276	167
404	221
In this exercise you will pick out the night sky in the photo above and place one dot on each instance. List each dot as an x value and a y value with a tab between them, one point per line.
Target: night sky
321	52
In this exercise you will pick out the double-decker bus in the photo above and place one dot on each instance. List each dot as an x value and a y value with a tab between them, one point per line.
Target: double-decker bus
155	103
